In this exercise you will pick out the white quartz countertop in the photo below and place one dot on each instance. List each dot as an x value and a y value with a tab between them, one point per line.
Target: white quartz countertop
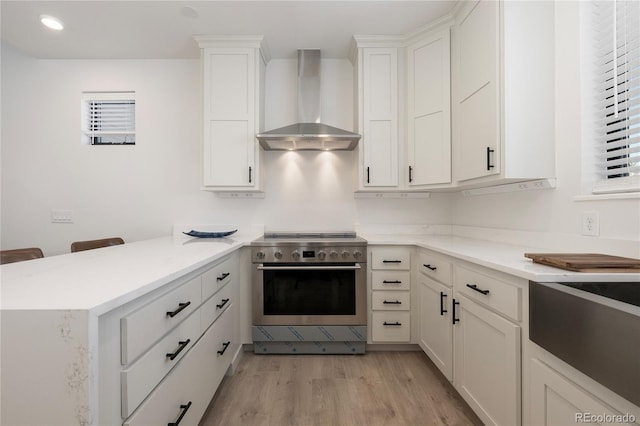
102	279
503	257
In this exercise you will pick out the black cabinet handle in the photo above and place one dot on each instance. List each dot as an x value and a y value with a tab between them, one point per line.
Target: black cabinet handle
397	302
454	319
223	276
181	306
391	282
489	152
224	348
250	170
224	302
368	180
442	309
184	408
475	287
183	344
410	177
392	323
392	261
428	266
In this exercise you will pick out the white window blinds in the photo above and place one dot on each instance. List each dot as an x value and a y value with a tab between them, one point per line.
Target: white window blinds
109	118
618	89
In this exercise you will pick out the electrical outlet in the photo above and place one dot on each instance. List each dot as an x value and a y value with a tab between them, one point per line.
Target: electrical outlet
591	223
61	216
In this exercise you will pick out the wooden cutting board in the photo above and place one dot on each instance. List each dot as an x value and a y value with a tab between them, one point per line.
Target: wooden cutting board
586	262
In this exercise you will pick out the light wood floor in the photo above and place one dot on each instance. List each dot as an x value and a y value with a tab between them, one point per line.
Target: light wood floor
378	388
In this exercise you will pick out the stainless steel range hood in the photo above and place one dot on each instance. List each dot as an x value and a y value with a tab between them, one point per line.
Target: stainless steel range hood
309	133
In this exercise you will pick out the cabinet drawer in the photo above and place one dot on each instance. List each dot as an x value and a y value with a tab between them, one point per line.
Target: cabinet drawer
390	301
145	326
503	297
391	326
391	258
191	382
390	280
218	276
216	305
435	267
148	371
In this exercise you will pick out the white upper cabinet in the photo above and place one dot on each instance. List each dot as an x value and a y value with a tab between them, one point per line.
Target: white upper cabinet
233	81
403	110
377	78
503	85
428	110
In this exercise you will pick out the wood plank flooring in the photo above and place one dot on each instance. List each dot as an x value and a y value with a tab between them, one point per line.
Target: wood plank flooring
378	388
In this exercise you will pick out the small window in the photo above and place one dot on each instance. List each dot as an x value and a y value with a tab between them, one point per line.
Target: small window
109	118
617	66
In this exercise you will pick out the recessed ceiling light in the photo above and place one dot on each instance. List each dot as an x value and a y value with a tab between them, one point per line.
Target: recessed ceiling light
51	22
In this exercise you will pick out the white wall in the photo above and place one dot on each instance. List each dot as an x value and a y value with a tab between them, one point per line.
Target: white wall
140	191
556	211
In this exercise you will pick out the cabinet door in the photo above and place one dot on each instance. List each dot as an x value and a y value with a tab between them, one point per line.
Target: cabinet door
429	117
478	91
436	330
487	362
380	117
229	116
557	401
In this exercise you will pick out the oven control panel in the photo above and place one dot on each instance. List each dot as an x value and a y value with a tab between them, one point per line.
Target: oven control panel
344	254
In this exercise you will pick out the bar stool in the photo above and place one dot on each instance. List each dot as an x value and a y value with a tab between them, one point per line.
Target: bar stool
94	244
19	255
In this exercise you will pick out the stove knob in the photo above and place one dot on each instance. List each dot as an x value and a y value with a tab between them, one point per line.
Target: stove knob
357	254
322	255
333	254
295	255
345	254
260	255
277	254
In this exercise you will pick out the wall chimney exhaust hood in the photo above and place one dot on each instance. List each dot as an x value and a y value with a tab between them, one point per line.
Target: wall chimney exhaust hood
309	133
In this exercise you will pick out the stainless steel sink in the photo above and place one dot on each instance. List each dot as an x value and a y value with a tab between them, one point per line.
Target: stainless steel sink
594	327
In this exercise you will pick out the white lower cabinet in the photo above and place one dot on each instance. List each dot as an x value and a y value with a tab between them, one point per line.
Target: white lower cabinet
487	362
470	327
436	330
556	401
192	339
390	294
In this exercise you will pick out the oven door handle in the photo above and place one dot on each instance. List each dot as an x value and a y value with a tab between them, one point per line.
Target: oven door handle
261	267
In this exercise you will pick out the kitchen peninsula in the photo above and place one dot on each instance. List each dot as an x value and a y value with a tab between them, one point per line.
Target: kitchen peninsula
92	314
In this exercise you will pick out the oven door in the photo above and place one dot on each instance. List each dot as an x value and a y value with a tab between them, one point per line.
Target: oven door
309	294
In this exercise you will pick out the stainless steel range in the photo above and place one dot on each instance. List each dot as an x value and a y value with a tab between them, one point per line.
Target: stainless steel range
309	293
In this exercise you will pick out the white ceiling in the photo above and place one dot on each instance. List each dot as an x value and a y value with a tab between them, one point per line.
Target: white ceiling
125	29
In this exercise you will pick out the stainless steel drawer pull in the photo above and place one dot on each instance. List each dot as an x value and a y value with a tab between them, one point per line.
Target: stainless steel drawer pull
184	408
428	266
181	306
392	323
475	287
224	302
183	344
397	302
392	261
308	268
223	276
391	282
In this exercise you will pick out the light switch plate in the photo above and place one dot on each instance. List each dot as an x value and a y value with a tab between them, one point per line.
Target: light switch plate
61	216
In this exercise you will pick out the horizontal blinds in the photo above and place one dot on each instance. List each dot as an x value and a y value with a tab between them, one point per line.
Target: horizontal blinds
109	118
618	87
